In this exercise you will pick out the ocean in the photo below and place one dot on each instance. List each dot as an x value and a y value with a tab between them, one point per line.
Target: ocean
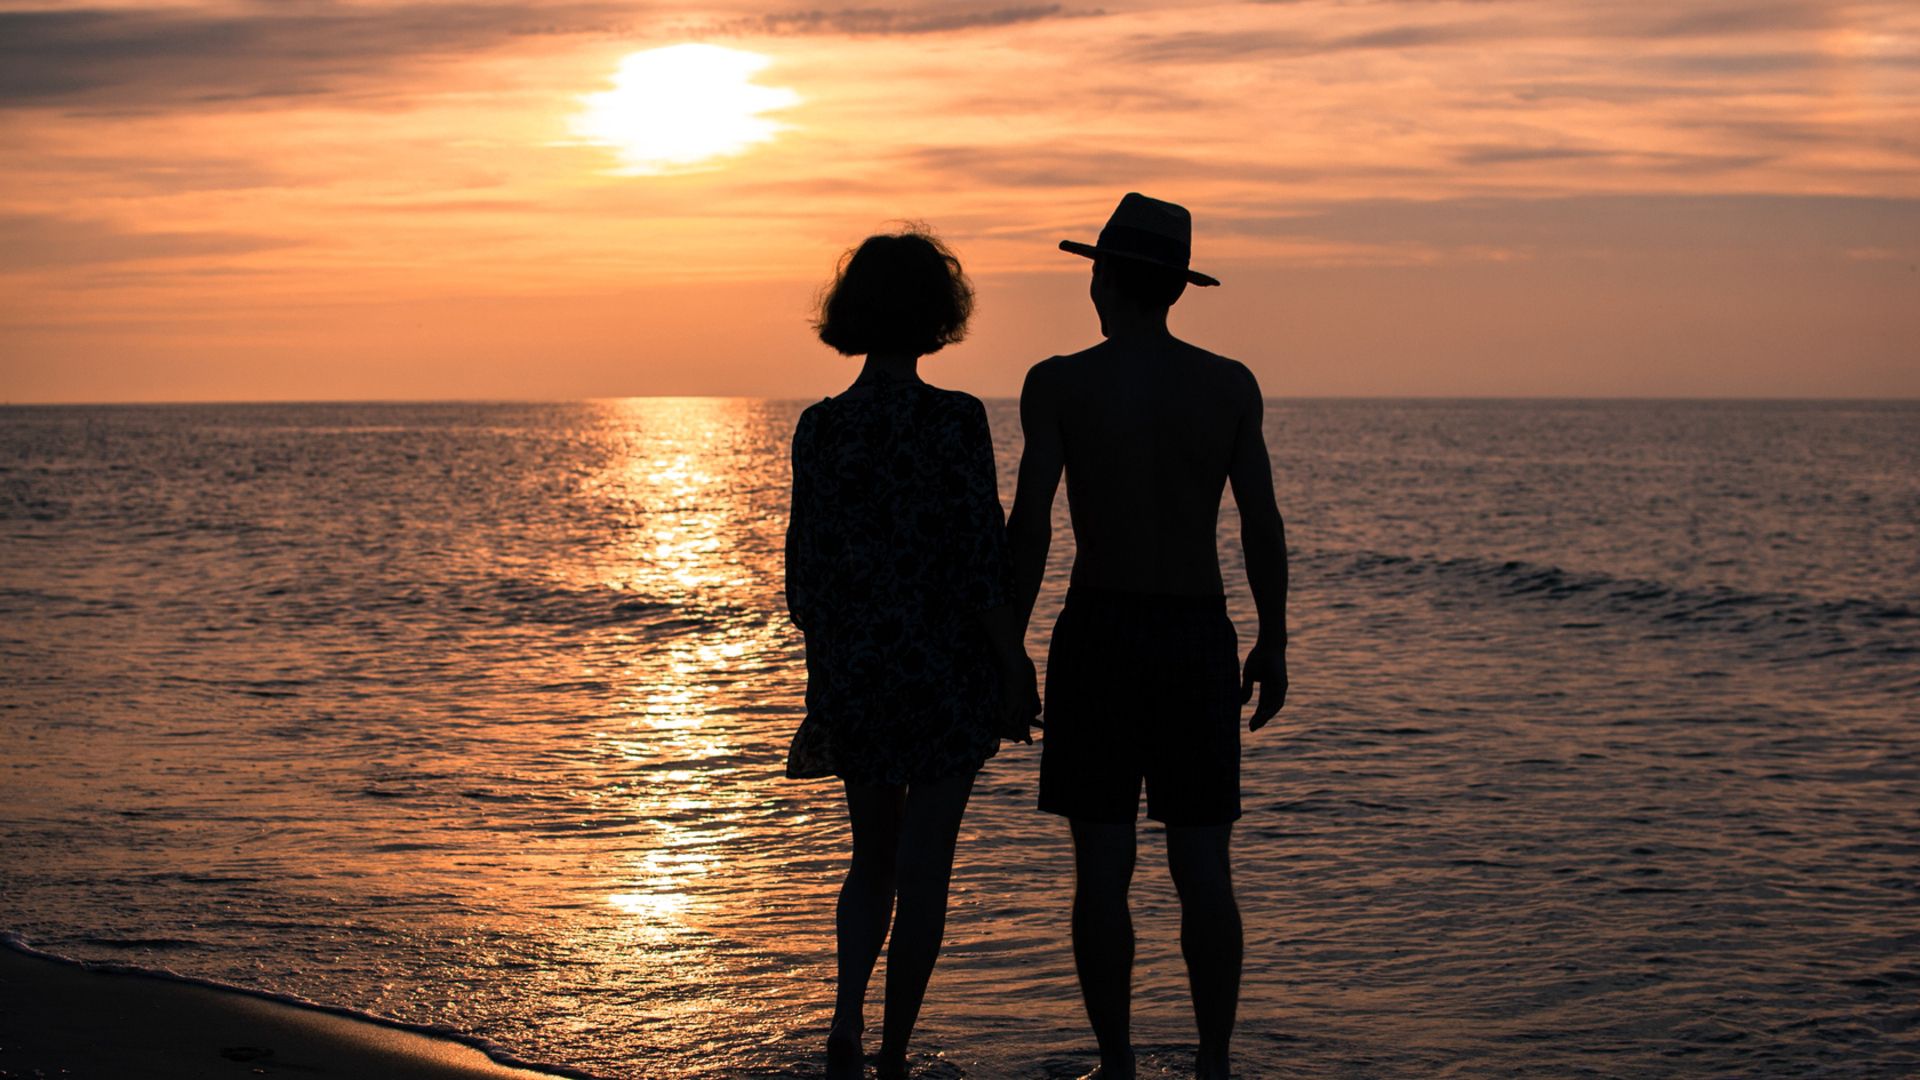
1599	760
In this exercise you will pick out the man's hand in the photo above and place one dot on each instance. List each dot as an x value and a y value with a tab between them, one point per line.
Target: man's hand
1019	697
1266	665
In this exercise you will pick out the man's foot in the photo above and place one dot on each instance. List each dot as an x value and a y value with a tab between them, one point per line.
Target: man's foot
1210	1063
890	1066
1111	1072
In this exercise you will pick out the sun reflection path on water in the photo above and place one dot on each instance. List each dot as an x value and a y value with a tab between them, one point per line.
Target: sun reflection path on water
685	752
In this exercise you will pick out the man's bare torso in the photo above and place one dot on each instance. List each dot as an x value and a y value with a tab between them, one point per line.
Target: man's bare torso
1148	433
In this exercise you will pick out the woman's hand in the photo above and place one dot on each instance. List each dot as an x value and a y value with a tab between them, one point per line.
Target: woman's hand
1019	683
1019	697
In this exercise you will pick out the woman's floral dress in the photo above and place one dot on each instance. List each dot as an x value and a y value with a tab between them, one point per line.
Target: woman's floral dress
895	542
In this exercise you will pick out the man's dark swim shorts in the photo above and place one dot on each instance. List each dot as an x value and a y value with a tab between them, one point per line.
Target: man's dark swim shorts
1142	687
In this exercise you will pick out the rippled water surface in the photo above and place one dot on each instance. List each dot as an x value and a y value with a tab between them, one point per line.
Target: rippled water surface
1600	761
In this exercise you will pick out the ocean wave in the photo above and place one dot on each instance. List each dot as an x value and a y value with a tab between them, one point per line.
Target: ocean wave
472	601
550	604
1817	628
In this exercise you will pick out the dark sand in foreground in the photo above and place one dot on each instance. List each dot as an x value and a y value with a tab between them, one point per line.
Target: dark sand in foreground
61	1020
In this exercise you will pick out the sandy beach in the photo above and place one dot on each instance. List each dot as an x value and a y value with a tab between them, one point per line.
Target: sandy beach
60	1019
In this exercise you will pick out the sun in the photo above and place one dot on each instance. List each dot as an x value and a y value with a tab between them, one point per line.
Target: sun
677	108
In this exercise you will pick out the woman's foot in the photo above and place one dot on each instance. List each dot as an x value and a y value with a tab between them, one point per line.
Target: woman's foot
845	1059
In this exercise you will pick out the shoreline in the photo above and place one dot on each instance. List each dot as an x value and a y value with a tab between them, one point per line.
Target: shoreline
64	1017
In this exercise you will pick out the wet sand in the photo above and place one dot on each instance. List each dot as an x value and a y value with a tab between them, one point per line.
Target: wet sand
60	1019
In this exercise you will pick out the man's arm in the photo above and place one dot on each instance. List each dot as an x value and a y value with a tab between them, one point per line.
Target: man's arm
1263	543
1030	525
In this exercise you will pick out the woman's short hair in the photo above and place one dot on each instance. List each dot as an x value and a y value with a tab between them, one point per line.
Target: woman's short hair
899	292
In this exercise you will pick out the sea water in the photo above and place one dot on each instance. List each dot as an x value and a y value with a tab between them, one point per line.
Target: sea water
1599	759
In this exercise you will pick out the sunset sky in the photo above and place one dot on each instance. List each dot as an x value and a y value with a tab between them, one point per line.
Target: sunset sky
322	200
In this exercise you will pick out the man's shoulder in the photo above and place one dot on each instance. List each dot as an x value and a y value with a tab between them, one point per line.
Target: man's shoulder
1228	374
1208	358
1053	372
1066	366
1062	363
1096	362
1085	355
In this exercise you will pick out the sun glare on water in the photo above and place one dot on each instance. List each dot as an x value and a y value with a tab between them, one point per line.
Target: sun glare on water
675	108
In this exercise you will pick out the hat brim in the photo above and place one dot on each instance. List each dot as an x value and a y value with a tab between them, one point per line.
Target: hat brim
1092	251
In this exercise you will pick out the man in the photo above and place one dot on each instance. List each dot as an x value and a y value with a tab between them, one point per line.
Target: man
1143	680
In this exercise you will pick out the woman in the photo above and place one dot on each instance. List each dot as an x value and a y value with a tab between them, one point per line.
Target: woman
897	574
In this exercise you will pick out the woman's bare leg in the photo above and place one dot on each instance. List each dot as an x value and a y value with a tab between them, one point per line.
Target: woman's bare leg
930	826
865	909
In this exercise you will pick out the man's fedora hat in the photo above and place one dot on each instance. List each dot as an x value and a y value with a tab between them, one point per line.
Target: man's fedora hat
1146	230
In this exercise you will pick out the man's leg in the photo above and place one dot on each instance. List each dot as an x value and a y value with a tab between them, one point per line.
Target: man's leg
1103	938
1209	935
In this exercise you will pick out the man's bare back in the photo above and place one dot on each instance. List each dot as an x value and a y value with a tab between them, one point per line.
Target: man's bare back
1148	436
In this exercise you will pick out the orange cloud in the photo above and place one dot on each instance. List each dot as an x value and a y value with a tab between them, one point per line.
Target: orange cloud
321	180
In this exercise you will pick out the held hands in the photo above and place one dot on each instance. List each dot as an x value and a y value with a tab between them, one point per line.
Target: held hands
1266	665
1019	697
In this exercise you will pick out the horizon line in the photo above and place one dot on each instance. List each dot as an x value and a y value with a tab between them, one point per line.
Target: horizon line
191	402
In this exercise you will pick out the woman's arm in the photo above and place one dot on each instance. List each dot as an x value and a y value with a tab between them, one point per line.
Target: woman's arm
987	584
799	544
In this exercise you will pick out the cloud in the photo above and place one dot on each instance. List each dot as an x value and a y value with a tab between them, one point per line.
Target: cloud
1881	254
1512	154
1416	36
1657	160
1111	92
885	21
1704	164
1659	21
1205	46
1670	225
1201	46
1512	23
1058	165
1734	64
123	59
1635	92
1053	166
133	174
41	241
1660	160
138	60
1803	133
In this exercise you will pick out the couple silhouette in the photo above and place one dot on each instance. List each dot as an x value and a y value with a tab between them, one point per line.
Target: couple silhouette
914	596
